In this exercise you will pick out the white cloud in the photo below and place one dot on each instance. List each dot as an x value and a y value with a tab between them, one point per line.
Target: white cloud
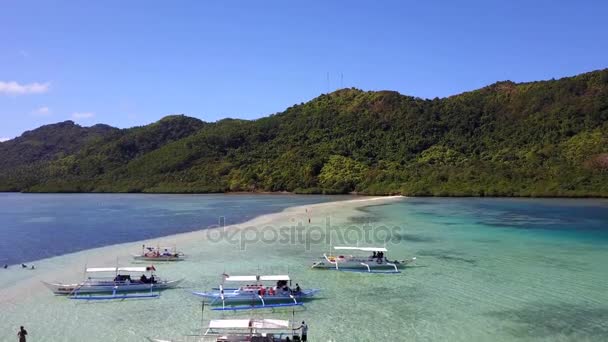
42	111
14	88
4	139
82	115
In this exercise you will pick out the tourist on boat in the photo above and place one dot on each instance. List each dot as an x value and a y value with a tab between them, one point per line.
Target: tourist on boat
374	255
304	333
298	289
143	279
123	278
152	280
21	334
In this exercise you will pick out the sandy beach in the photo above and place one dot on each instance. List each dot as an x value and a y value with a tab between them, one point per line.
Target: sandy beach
23	285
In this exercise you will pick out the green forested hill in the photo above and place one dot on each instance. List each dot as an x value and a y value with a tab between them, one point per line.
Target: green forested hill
49	142
546	138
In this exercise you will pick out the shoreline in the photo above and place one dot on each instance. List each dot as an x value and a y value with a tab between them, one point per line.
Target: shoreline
357	194
69	267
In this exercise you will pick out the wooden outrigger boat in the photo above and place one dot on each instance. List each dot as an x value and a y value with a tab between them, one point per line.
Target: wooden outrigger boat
156	254
241	330
103	283
374	263
267	291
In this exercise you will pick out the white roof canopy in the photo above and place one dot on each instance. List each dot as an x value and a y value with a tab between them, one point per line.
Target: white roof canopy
255	278
366	249
117	269
248	323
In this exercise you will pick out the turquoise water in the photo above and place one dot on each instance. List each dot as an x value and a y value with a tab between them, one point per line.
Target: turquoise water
504	269
487	270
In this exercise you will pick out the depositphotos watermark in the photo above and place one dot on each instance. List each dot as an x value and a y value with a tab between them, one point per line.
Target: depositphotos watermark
304	235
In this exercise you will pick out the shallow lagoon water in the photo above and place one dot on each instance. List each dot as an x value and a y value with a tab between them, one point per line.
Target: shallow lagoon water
487	269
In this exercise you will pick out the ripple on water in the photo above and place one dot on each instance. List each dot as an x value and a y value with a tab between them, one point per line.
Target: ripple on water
412	237
364	219
556	321
42	219
447	255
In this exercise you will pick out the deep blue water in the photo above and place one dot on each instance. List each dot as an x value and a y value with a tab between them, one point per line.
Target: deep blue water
37	226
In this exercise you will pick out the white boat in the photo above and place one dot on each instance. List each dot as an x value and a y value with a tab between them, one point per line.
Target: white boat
115	280
156	254
242	330
259	292
347	259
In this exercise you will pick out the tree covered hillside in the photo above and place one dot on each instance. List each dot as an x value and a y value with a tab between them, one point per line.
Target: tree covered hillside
546	138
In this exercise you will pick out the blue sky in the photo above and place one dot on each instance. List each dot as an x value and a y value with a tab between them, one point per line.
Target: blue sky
128	63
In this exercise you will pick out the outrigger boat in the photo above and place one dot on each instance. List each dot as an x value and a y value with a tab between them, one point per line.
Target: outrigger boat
241	330
156	254
114	283
374	263
258	292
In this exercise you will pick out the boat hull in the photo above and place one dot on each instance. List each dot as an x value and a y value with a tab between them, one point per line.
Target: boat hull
360	263
158	259
276	337
249	297
109	287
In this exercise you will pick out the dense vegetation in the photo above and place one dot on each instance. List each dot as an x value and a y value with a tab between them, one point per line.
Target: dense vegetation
544	138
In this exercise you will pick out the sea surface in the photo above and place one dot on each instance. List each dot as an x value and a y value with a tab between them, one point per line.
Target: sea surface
486	270
37	226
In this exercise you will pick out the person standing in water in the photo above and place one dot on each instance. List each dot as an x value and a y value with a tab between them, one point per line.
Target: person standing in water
21	334
304	333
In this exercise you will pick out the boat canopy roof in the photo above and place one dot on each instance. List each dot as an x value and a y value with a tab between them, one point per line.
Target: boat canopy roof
365	249
248	323
118	269
257	278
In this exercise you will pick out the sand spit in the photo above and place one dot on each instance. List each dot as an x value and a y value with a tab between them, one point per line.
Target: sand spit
21	284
